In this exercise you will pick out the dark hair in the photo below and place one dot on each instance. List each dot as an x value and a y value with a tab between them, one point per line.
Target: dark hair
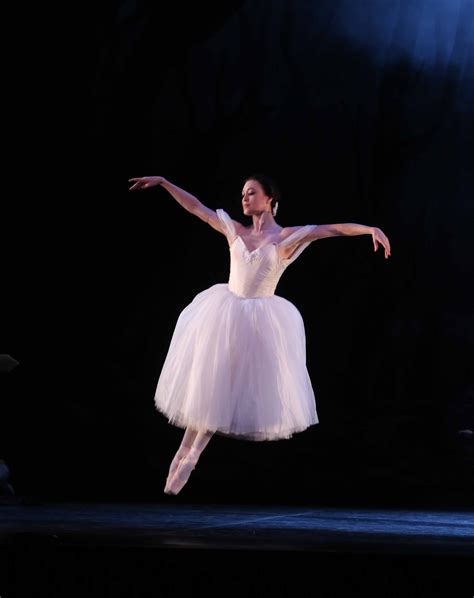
269	186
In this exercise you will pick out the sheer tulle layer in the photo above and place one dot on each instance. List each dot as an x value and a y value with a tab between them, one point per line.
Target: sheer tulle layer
237	366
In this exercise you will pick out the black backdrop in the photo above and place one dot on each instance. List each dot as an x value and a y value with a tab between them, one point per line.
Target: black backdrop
363	112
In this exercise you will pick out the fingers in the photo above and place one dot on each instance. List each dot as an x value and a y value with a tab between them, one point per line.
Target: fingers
136	185
139	183
143	182
386	247
384	242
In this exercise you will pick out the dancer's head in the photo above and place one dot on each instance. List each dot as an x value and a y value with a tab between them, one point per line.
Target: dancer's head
259	194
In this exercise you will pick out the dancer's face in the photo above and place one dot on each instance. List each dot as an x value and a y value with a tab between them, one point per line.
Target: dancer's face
254	200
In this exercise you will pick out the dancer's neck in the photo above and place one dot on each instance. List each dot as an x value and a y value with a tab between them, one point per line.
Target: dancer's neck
263	223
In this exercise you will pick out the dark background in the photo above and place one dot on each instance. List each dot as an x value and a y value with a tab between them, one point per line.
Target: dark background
363	112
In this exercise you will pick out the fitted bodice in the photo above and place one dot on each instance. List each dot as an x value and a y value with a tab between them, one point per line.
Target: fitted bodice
256	273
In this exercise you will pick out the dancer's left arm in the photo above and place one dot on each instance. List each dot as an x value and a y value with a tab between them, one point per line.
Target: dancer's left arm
352	229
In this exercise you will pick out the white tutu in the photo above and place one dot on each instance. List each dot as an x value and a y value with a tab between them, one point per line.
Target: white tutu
236	364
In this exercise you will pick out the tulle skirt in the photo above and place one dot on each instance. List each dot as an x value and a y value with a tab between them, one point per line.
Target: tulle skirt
237	366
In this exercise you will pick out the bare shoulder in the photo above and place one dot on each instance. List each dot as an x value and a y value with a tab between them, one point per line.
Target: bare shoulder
286	231
240	228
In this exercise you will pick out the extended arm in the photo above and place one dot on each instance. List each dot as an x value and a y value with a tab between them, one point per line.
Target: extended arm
352	229
186	200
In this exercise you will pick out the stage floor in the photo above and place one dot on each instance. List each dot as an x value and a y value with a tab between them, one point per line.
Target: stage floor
135	548
390	531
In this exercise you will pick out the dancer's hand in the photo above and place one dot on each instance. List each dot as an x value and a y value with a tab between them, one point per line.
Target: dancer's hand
379	237
145	182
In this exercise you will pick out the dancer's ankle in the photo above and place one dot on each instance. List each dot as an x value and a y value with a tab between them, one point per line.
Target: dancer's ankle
181	453
184	470
193	454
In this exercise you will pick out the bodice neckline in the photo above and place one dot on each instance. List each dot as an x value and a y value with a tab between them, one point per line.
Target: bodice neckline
250	251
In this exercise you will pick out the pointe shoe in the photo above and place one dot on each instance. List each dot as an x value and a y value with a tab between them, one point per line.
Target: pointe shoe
174	466
168	481
181	476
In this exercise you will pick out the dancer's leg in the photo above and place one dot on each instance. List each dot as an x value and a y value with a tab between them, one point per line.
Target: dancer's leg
183	450
201	440
189	462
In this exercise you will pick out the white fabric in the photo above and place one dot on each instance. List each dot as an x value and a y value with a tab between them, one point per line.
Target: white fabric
236	364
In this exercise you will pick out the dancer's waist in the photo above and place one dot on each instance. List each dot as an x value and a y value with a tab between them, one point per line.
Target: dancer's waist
248	294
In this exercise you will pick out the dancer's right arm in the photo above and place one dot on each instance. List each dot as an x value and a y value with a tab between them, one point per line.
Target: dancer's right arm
185	199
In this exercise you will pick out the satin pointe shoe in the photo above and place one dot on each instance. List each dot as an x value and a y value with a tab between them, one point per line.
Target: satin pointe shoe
183	471
182	452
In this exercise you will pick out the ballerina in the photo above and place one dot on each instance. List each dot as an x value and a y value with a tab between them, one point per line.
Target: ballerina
236	363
